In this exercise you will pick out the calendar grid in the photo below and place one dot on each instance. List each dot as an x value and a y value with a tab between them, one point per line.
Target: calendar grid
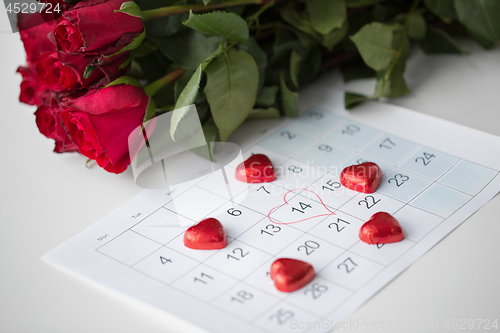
315	234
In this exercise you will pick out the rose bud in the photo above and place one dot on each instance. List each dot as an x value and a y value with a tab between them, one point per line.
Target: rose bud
94	28
49	124
63	72
101	121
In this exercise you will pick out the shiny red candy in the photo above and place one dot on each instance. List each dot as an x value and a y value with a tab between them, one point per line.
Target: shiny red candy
257	168
291	274
208	234
364	177
381	228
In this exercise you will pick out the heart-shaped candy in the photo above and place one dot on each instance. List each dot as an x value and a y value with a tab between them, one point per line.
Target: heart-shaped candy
381	228
208	234
291	274
257	168
364	177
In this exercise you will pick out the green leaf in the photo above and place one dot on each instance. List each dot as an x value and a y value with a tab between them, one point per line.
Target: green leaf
336	36
444	9
289	99
189	48
417	27
165	26
210	132
269	113
260	57
352	99
227	25
231	89
181	83
391	82
360	3
297	19
88	71
484	42
326	15
393	87
130	8
438	41
188	94
374	43
190	91
295	64
132	45
132	81
482	17
286	40
267	96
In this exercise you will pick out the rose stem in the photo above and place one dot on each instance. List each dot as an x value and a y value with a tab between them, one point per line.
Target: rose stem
153	87
174	10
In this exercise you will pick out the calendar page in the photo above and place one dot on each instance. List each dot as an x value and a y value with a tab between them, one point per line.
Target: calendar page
435	175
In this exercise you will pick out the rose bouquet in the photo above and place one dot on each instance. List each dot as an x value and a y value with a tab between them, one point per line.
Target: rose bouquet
97	69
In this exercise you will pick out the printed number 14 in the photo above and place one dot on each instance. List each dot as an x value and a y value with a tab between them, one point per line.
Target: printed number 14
303	206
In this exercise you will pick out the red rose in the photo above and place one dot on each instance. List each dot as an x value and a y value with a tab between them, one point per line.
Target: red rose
33	92
92	27
49	124
101	121
35	38
63	72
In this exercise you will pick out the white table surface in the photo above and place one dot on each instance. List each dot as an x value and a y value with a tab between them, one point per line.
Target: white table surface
47	198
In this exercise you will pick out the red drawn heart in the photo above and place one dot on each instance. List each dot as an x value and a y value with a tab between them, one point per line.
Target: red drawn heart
208	234
291	274
257	168
364	177
381	228
329	212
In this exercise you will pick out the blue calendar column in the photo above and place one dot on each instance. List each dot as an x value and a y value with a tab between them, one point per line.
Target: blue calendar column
317	121
354	135
390	148
324	155
331	192
289	141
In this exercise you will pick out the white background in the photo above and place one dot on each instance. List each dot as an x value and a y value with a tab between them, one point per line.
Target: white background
47	198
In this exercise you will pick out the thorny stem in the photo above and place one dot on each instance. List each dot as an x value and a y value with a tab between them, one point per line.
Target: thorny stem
174	10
